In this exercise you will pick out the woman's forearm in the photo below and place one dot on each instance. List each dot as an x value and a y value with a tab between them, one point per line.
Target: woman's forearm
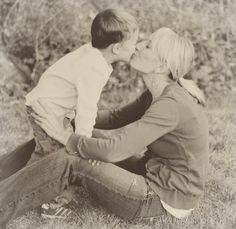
103	120
113	119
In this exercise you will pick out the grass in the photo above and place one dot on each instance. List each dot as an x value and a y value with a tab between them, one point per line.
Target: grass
216	208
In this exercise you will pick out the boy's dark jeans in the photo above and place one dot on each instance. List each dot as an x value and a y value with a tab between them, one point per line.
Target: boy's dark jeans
44	143
120	191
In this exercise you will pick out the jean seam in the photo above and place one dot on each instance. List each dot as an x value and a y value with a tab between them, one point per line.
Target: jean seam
114	191
138	210
30	193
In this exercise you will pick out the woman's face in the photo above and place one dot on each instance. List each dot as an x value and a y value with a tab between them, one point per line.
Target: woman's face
144	58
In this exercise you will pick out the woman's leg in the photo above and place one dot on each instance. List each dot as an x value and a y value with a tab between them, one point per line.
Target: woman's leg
15	160
34	185
122	192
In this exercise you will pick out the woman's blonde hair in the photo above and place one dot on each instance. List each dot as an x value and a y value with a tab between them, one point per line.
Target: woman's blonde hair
177	53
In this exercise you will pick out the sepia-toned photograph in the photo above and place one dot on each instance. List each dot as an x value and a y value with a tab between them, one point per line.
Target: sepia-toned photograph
117	114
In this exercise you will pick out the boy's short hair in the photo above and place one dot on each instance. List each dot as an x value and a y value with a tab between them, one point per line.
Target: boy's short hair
112	26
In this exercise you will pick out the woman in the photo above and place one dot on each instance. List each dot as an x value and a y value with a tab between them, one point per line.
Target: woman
168	119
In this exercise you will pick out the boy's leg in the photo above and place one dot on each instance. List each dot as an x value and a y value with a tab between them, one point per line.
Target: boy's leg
15	160
44	143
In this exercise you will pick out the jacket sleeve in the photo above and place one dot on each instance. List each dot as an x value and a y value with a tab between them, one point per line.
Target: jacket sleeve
161	118
113	119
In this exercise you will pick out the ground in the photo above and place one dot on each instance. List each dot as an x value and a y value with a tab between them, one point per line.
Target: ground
216	208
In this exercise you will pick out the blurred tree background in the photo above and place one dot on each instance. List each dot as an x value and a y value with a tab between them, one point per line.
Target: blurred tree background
36	33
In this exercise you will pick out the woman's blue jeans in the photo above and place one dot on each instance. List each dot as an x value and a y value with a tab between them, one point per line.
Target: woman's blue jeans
122	192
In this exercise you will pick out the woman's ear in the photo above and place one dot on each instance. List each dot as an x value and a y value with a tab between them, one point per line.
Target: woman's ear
116	48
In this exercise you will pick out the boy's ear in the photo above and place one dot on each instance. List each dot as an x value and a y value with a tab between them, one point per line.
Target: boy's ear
116	48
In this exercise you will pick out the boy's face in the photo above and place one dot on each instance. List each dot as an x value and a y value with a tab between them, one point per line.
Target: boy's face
127	47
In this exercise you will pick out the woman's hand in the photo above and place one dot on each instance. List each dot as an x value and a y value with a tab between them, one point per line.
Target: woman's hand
49	123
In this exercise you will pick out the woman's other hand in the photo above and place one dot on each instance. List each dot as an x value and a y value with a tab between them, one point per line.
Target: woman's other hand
49	123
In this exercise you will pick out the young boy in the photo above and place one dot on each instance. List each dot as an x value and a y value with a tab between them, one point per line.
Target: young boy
72	86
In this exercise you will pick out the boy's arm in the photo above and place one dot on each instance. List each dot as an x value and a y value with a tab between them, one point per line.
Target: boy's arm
113	119
88	89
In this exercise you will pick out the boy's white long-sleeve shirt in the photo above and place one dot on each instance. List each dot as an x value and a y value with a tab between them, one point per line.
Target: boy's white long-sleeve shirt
72	86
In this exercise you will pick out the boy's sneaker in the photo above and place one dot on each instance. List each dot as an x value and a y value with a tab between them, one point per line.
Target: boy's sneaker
66	211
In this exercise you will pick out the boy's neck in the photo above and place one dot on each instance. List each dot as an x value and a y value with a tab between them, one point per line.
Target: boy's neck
108	56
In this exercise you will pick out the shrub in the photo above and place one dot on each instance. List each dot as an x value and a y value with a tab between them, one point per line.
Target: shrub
37	33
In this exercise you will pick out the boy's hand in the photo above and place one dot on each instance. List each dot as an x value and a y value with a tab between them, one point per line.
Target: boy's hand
94	162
